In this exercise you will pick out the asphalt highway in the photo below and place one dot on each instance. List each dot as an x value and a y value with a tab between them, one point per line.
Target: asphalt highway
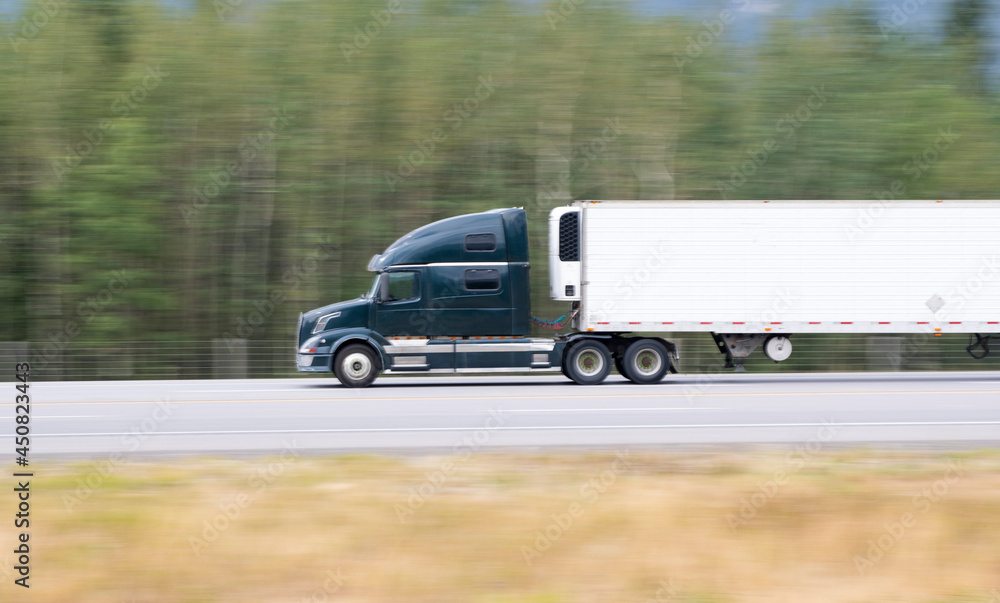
465	413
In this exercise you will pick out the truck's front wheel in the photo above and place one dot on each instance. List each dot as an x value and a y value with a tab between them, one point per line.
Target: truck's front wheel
646	361
588	363
356	365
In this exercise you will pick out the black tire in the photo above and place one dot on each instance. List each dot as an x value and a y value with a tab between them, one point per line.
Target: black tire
562	367
587	363
356	365
646	361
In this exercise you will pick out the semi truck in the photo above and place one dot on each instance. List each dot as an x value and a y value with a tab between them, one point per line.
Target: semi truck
453	296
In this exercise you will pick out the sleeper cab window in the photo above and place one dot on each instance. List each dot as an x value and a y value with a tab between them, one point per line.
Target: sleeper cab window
403	286
482	279
486	241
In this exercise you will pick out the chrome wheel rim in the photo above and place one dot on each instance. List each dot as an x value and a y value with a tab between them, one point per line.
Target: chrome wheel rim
590	363
357	366
647	362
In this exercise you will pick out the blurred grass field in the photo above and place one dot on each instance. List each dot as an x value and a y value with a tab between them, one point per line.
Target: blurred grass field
769	524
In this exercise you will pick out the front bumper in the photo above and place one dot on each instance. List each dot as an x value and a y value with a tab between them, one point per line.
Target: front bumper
312	363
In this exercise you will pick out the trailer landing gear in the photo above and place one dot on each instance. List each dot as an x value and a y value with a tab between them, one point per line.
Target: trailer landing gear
979	346
737	346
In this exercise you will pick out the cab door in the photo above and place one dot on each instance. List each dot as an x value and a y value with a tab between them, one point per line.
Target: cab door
400	304
469	300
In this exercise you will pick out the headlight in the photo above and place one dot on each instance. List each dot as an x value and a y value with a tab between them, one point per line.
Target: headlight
321	323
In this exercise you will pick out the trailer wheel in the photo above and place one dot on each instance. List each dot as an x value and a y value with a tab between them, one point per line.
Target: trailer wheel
588	363
356	365
646	361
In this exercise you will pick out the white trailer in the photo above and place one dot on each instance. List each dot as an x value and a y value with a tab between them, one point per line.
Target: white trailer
752	272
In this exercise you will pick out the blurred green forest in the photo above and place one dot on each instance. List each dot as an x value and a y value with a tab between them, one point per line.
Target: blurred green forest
168	175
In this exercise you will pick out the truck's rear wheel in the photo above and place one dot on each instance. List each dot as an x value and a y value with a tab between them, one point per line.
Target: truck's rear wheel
588	363
646	361
356	365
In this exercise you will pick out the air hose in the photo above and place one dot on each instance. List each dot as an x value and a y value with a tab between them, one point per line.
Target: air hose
554	325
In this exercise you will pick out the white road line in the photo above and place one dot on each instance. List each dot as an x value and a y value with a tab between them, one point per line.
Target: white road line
79	384
531	428
236	391
572	396
506	410
519	410
36	416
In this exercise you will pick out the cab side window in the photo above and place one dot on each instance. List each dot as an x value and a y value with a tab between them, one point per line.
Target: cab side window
486	241
482	280
402	286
